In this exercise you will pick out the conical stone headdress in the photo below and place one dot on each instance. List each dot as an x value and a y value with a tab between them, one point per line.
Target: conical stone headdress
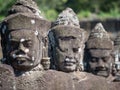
67	17
99	38
25	6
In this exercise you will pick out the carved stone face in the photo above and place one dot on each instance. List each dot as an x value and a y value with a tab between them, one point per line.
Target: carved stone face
46	63
66	53
24	49
67	50
100	62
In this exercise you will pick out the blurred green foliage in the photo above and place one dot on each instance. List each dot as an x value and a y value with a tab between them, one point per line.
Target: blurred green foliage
4	6
84	8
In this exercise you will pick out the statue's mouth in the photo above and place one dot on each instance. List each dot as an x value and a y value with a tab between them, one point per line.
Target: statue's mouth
69	61
20	56
102	72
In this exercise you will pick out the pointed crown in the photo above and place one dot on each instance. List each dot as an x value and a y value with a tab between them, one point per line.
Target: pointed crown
99	38
67	17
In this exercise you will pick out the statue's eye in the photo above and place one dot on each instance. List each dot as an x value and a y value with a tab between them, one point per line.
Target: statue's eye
14	44
27	43
75	49
94	59
105	59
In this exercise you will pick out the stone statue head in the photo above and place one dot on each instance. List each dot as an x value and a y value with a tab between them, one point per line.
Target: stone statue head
67	43
23	48
116	53
99	48
22	40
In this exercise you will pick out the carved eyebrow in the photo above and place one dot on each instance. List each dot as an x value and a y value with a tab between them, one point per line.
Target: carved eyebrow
66	37
13	40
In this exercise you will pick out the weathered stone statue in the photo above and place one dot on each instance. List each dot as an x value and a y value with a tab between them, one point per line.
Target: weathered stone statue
67	42
27	12
99	55
98	51
116	55
30	23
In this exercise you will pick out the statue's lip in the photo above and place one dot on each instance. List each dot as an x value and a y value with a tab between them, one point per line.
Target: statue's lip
101	70
69	61
21	61
69	64
102	73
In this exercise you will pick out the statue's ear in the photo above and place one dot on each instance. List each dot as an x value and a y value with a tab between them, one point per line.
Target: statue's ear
39	36
3	33
51	37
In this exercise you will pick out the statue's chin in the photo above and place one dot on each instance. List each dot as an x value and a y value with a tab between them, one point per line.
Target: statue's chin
103	73
23	66
69	68
46	67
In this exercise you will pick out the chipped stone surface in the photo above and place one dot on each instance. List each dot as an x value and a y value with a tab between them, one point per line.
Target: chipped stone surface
91	82
36	32
56	80
49	80
27	50
7	78
33	21
22	40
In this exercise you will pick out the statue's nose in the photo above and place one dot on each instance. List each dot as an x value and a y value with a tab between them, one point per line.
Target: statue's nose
70	53
21	47
100	63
